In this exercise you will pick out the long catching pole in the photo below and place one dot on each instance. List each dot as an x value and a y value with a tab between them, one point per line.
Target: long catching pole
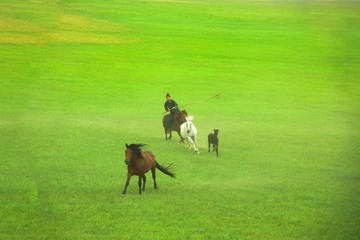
217	96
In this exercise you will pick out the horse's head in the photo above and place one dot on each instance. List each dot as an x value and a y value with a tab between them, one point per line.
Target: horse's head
189	124
133	152
180	116
183	115
128	154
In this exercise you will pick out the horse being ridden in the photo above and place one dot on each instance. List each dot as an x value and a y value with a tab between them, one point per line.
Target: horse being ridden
189	132
139	163
172	122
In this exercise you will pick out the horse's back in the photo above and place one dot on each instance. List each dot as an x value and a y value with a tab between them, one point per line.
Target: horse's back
212	138
149	157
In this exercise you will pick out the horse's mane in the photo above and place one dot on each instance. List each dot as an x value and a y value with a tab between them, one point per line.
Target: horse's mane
179	114
136	148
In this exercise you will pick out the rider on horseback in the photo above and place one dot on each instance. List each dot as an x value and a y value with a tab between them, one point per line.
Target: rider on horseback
172	106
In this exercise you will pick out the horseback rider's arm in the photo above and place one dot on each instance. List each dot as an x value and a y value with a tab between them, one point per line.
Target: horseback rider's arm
175	105
170	105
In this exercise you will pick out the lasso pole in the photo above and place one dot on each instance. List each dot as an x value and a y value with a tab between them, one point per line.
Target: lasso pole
215	96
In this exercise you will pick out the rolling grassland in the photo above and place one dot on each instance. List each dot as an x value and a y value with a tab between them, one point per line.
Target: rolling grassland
79	80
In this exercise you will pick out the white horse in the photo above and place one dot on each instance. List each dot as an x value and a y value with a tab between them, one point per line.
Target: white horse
188	132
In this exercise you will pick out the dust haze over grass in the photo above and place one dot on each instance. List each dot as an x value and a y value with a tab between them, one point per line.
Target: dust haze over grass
79	80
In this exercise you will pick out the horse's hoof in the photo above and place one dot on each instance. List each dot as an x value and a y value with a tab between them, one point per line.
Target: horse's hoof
123	195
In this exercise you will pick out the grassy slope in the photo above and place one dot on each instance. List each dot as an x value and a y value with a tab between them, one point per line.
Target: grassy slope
81	80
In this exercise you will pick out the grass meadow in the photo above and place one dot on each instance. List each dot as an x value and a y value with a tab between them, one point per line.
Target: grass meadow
79	80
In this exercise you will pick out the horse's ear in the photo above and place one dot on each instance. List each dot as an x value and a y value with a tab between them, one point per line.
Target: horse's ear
127	146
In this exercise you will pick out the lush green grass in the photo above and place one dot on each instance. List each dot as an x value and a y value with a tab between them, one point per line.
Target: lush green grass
78	81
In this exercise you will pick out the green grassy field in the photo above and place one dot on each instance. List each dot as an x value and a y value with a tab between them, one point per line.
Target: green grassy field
79	80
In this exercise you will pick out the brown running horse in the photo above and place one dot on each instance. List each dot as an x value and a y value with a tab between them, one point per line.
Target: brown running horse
179	118
139	163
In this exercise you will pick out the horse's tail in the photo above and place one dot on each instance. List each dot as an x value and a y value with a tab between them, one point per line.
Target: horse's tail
166	169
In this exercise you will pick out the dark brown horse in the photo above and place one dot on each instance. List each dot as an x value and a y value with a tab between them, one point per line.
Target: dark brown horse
139	163
214	140
178	118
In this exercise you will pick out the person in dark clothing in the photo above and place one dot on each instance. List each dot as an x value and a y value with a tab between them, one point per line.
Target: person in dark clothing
170	106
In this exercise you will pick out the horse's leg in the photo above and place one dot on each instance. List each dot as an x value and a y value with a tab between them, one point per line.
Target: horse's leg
165	130
168	126
181	138
139	183
209	146
127	183
144	181
217	150
170	134
195	146
154	176
188	140
191	143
